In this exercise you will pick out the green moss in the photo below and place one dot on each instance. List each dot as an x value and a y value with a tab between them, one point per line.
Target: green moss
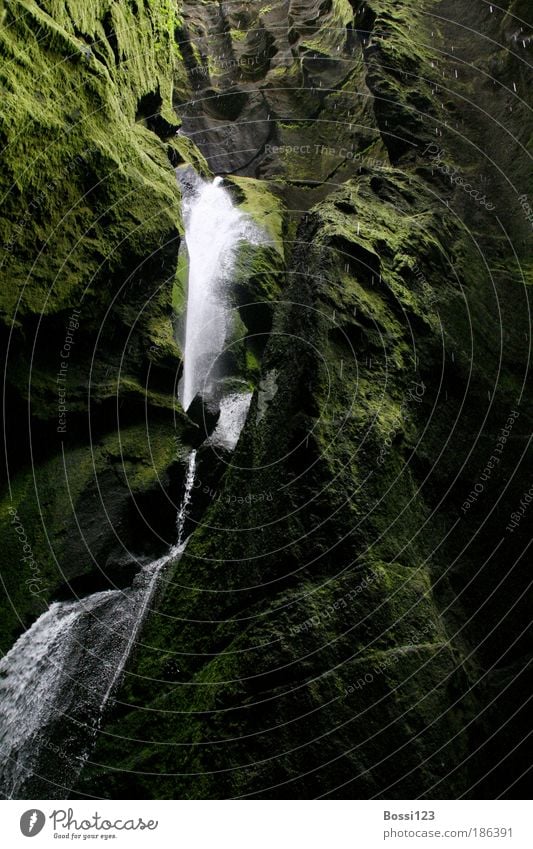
91	216
189	154
91	221
238	34
60	521
253	365
97	187
330	32
258	199
179	290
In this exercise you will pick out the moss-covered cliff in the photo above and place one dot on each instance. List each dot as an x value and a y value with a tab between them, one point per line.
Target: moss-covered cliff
89	230
349	618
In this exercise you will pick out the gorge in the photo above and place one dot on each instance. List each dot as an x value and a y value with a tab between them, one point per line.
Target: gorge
57	680
293	242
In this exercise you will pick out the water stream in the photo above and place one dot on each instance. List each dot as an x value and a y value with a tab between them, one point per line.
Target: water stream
213	229
58	678
233	411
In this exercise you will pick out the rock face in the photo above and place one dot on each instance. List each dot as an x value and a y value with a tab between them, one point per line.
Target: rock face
90	230
349	618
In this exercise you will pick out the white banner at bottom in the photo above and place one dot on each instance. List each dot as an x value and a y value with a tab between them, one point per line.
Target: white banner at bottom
267	824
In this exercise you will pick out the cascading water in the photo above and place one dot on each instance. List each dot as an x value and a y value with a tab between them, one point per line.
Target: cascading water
182	512
213	229
233	411
59	676
57	679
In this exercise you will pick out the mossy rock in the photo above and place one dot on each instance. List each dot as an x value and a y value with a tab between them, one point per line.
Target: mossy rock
88	518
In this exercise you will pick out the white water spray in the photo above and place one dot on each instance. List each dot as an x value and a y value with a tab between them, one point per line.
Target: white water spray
58	678
233	411
213	228
182	512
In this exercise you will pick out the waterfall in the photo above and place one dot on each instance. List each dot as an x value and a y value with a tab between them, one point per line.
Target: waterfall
58	678
182	512
233	411
213	228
